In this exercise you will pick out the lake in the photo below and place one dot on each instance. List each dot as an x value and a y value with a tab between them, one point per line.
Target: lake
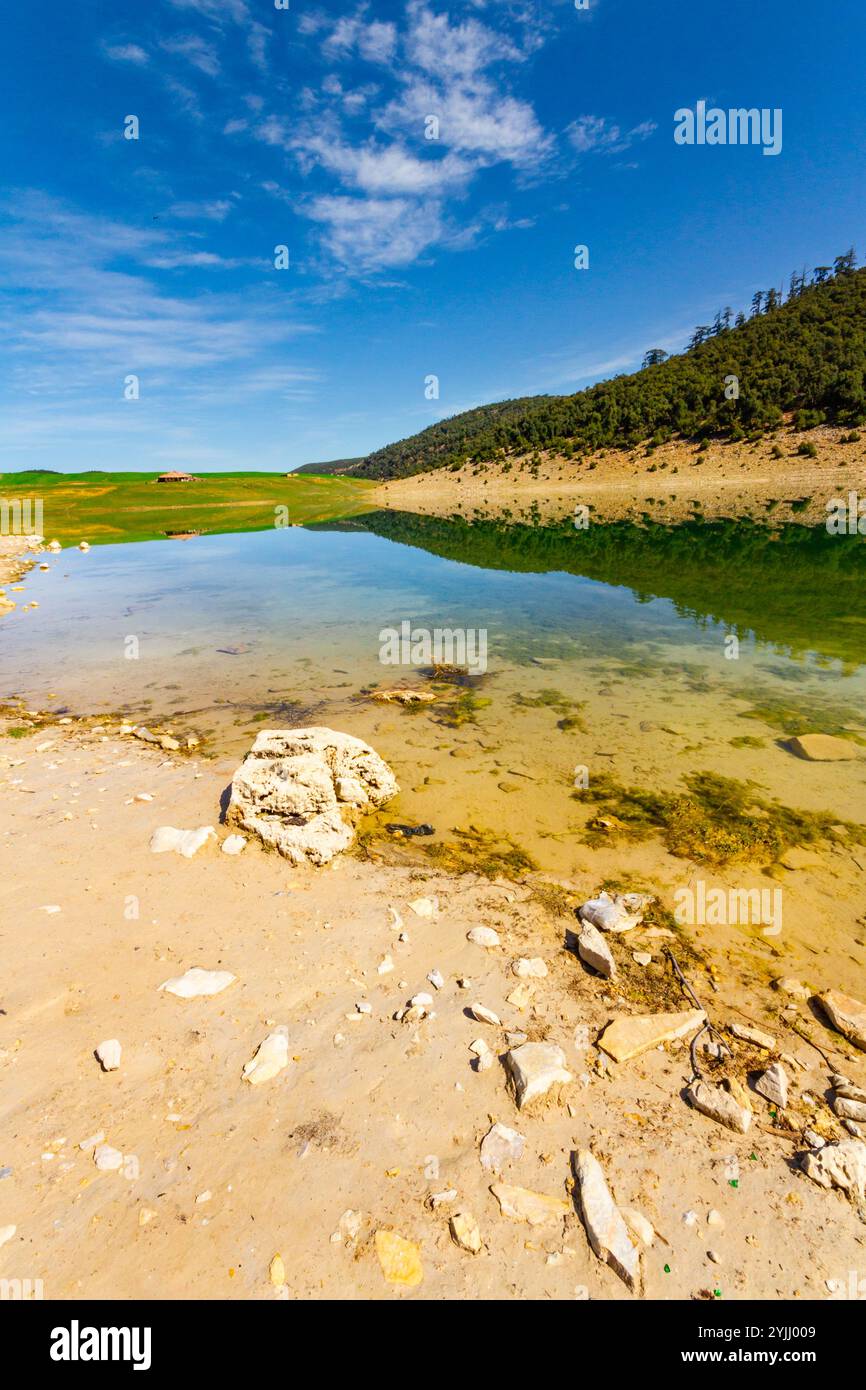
641	654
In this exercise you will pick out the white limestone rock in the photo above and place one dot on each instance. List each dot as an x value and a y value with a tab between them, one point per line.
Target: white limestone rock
107	1159
186	842
607	1231
773	1085
484	1015
271	1056
483	936
535	1208
616	914
109	1054
846	1014
301	790
839	1165
197	982
594	951
534	1067
233	844
719	1105
532	968
465	1232
501	1146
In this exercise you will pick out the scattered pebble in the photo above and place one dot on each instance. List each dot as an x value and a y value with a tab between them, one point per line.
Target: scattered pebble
465	1232
233	844
198	982
271	1056
109	1054
483	936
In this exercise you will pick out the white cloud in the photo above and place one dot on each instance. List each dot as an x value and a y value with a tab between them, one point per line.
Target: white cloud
368	234
454	51
195	50
126	53
384	170
373	40
474	120
597	134
80	296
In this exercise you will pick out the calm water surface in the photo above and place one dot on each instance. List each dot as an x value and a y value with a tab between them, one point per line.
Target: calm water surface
619	634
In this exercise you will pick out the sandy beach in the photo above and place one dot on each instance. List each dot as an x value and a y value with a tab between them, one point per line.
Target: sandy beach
372	1118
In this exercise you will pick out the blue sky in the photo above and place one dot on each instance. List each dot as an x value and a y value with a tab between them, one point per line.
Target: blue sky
409	256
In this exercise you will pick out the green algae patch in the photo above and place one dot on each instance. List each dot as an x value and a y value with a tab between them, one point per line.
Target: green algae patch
482	852
807	717
714	820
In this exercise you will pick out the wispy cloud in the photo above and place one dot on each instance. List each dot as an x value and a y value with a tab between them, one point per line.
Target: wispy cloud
599	135
195	50
126	53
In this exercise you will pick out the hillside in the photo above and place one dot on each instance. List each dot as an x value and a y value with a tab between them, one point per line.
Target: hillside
333	469
804	355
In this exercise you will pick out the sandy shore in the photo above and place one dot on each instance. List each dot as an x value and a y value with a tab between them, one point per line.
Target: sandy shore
371	1116
726	480
18	554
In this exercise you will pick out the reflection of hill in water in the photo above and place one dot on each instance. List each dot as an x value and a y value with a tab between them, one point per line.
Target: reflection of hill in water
799	588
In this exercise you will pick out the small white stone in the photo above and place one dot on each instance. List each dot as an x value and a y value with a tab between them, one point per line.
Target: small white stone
109	1054
233	844
424	907
483	1015
441	1199
107	1159
197	982
6	1233
186	842
271	1056
483	936
436	979
501	1146
533	968
385	966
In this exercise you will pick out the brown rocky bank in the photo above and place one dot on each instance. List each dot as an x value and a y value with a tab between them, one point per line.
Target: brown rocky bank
726	480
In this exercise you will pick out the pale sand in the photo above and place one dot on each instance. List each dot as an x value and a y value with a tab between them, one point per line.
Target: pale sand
376	1123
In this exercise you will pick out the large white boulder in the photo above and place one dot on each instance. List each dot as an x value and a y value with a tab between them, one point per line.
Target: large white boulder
300	791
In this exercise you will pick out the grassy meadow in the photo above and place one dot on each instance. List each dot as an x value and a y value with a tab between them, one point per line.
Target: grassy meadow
104	508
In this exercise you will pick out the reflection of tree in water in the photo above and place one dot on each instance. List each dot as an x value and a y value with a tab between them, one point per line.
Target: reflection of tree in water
797	588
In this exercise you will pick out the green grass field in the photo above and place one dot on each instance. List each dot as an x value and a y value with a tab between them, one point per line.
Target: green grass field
104	508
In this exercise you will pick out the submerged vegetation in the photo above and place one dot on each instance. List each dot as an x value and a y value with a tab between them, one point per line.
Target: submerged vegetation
482	852
714	820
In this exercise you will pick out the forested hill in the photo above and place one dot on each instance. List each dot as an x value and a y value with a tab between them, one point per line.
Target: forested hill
335	467
804	353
